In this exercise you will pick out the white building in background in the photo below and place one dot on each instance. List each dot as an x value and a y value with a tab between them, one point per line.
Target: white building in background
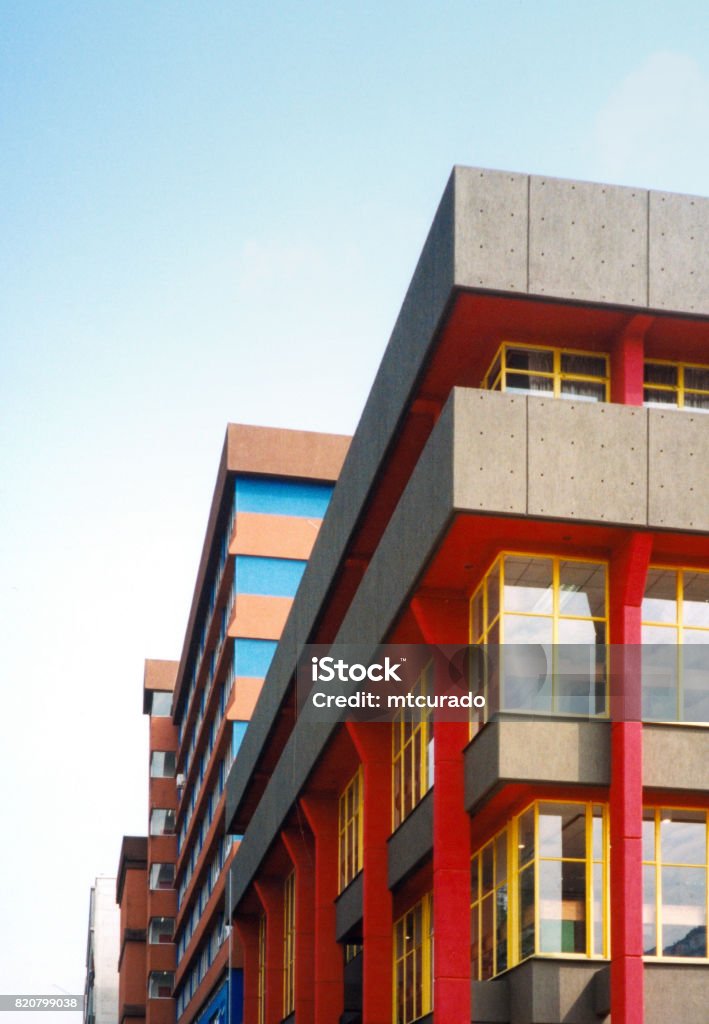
101	988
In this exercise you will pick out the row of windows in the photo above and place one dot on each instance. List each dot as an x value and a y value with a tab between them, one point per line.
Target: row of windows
211	804
213	871
204	959
585	376
560	606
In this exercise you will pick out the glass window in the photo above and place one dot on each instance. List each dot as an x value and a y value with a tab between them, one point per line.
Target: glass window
161	704
413	957
412	756
161	929
674	883
350	830
160	984
289	945
678	385
539	887
162	876
675	613
556	372
162	821
551	615
162	764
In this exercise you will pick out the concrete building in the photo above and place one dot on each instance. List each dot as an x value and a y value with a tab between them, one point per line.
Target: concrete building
101	988
530	468
272	490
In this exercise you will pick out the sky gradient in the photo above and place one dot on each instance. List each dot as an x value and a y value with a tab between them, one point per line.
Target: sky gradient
210	212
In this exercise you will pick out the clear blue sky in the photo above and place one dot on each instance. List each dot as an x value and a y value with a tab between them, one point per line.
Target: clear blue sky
210	212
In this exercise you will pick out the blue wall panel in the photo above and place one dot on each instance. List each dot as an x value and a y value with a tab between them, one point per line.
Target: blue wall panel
276	577
281	497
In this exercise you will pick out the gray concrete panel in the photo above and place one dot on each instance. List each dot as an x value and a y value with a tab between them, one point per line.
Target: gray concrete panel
490	1001
491	229
587	461
676	993
535	752
348	910
679	253
676	757
545	991
490	458
412	842
678	455
587	241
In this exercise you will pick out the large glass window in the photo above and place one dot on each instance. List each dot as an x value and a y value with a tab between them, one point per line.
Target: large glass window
161	929
350	830
676	385
289	945
556	372
161	703
162	821
674	883
160	984
551	614
413	958
412	756
162	876
162	764
675	614
539	887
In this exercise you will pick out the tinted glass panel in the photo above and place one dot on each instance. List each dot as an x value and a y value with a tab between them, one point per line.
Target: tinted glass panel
700	403
585	366
528	585
695	610
658	373
660	600
683	837
528	383
582	589
696	377
562	830
529	359
684	897
562	909
583	390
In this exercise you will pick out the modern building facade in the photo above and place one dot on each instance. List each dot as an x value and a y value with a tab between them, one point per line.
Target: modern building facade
529	469
272	490
101	988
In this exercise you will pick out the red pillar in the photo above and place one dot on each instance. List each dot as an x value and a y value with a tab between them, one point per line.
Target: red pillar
300	850
247	926
627	583
451	877
373	744
328	961
627	361
270	893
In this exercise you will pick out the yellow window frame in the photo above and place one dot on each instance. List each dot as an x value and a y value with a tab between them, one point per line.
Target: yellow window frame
350	835
289	945
556	616
410	766
413	964
658	863
556	375
679	390
516	868
679	626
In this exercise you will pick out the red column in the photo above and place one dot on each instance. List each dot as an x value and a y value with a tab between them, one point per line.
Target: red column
270	893
328	961
627	362
627	583
451	877
247	926
373	744
300	850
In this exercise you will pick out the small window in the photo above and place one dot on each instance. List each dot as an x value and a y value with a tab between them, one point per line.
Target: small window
412	756
161	930
162	876
556	372
350	830
677	386
162	764
413	949
289	945
162	821
160	984
161	704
